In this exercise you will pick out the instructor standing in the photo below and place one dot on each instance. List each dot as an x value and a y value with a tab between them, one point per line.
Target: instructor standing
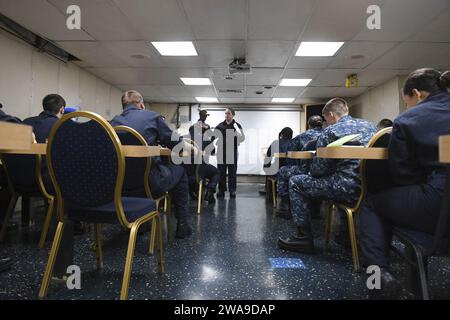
231	135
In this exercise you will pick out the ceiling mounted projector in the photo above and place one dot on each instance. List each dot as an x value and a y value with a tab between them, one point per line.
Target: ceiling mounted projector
239	66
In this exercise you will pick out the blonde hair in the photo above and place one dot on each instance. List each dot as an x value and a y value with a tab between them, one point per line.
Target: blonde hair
131	97
338	106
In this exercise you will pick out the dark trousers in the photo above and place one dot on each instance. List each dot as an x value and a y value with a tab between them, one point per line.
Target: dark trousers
173	179
232	168
414	207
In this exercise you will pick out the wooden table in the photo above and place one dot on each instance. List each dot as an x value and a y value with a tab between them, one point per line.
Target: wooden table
444	149
129	151
15	136
353	153
295	155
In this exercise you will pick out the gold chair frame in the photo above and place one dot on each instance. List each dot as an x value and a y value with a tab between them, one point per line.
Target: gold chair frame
351	211
132	226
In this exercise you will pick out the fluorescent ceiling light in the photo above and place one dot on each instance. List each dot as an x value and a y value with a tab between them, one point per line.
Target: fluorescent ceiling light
294	82
206	99
175	48
283	100
196	81
318	49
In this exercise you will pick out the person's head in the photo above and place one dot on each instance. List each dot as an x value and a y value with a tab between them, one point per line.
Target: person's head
334	110
315	122
203	114
286	133
55	104
421	84
229	114
445	80
132	97
384	123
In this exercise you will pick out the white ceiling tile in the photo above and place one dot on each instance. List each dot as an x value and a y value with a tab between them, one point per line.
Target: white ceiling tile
318	92
278	20
337	20
187	91
435	31
232	100
160	20
350	92
101	19
92	53
301	73
288	92
258	100
217	19
42	18
148	56
401	19
236	82
374	77
409	55
309	62
263	76
251	92
369	52
269	54
332	77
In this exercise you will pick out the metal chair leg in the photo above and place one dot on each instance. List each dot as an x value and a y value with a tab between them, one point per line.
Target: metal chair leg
274	193
46	226
168	214
200	192
98	245
422	275
352	232
151	248
328	221
8	215
160	245
51	261
129	261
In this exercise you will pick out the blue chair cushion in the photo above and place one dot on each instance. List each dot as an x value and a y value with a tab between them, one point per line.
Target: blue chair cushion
134	208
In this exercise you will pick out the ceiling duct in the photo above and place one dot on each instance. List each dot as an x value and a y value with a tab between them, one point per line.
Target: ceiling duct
42	44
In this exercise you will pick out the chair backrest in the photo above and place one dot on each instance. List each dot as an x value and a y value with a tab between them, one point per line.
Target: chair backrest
137	170
375	174
86	163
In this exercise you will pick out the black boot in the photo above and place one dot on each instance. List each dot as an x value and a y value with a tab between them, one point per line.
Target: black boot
183	230
210	195
390	287
283	210
303	242
220	194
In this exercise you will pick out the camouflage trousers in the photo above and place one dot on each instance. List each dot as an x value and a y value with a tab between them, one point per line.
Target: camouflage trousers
284	174
304	190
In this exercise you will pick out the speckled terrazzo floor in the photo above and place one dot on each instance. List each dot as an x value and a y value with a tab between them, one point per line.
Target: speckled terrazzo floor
228	257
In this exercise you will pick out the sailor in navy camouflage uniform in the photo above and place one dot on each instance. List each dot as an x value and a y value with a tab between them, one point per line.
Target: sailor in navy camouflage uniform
296	167
328	179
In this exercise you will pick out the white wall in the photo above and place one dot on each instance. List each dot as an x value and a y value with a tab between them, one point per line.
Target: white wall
28	75
383	101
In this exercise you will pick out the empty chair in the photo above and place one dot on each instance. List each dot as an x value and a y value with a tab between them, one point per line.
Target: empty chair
87	166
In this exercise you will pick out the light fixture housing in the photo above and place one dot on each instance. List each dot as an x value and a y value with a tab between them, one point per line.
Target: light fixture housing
294	82
283	100
175	48
196	81
318	49
207	99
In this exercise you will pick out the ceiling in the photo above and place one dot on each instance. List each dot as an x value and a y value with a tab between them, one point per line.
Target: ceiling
414	33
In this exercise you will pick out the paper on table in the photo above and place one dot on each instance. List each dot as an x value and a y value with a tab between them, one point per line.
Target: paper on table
340	142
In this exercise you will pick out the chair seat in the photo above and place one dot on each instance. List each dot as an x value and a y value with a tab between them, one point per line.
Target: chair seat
425	240
134	208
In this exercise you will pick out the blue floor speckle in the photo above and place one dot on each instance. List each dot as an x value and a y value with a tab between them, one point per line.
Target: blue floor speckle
227	257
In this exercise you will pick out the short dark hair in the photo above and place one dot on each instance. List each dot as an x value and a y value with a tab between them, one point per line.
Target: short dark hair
53	103
337	105
231	110
385	123
445	79
315	122
286	133
425	79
